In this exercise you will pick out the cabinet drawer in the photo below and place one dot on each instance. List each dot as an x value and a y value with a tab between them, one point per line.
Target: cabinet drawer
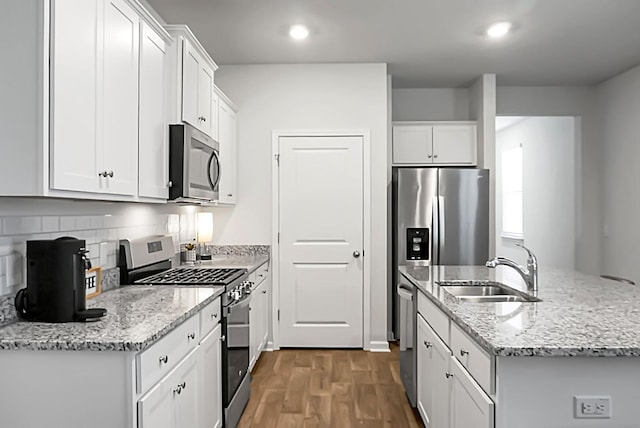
210	316
262	273
434	316
478	362
162	356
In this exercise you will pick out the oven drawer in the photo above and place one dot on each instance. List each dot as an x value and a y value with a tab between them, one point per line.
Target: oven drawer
210	317
158	360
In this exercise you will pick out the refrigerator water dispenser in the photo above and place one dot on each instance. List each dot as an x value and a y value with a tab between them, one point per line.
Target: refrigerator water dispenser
417	243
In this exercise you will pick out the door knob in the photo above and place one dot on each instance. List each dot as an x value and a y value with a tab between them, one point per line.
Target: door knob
356	254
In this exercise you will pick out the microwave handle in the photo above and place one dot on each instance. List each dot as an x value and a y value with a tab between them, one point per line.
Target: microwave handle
212	183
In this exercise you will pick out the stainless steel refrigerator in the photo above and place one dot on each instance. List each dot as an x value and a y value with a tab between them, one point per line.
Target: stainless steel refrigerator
440	217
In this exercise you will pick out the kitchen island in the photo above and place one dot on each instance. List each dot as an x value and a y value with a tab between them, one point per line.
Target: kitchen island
528	364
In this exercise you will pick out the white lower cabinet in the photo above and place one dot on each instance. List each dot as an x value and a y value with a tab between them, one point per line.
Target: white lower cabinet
173	401
433	385
448	396
470	406
190	394
210	396
259	314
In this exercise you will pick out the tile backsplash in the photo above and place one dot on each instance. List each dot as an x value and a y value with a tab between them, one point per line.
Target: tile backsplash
100	224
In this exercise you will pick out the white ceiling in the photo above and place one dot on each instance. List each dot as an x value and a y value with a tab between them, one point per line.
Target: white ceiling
427	43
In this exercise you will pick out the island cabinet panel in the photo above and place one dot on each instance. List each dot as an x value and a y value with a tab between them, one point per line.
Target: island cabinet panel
433	398
534	392
470	406
475	359
454	375
434	316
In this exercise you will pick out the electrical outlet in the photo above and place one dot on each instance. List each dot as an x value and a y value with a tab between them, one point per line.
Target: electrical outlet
592	407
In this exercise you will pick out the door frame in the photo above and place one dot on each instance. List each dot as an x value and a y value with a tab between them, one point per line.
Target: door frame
366	223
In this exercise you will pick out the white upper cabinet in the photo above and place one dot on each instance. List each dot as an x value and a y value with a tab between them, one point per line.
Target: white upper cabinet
191	82
153	162
95	97
74	95
454	144
227	137
428	143
118	139
100	90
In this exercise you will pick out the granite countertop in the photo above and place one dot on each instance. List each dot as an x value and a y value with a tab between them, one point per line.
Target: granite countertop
580	315
137	316
249	262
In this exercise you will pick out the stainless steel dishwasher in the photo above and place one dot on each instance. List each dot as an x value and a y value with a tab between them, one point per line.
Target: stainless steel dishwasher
408	333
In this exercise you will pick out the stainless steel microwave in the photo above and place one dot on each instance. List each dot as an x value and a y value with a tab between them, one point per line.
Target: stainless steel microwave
194	165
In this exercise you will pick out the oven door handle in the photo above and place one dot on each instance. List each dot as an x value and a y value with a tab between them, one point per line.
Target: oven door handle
238	305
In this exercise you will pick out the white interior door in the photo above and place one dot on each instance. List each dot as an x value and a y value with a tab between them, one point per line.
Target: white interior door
321	241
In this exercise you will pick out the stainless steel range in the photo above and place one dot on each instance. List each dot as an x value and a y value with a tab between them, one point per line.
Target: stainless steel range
148	261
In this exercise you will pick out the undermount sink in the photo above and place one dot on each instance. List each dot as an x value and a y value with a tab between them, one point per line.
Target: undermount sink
484	291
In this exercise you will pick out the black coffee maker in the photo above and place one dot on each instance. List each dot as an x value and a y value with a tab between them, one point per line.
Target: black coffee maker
56	282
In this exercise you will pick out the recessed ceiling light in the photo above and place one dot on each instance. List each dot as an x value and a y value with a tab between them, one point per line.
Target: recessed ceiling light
499	29
298	32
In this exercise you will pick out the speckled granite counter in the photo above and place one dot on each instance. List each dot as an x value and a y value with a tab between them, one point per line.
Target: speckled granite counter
249	262
137	316
580	315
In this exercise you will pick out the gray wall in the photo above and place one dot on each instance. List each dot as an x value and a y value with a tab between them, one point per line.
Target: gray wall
430	104
619	99
313	97
549	203
580	102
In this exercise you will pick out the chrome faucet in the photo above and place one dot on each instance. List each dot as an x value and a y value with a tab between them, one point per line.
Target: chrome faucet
529	275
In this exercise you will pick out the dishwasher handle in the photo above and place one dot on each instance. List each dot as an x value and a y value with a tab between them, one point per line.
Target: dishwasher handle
405	291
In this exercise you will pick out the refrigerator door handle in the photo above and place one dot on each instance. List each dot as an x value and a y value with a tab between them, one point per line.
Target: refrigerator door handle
441	229
435	235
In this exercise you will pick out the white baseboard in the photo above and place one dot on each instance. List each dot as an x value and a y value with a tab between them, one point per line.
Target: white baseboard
379	346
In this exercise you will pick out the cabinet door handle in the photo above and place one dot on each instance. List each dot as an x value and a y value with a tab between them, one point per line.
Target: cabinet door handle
163	359
215	315
223	338
448	375
463	352
110	173
429	156
435	156
264	291
191	336
102	174
427	344
229	194
178	389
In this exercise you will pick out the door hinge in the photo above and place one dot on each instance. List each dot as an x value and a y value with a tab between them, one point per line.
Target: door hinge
278	237
278	314
277	157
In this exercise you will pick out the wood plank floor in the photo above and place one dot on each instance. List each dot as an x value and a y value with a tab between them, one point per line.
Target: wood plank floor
328	388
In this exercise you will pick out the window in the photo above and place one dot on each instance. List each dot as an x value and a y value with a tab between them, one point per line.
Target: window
512	193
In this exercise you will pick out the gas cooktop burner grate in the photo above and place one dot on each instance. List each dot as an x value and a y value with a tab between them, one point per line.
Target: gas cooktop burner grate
194	276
